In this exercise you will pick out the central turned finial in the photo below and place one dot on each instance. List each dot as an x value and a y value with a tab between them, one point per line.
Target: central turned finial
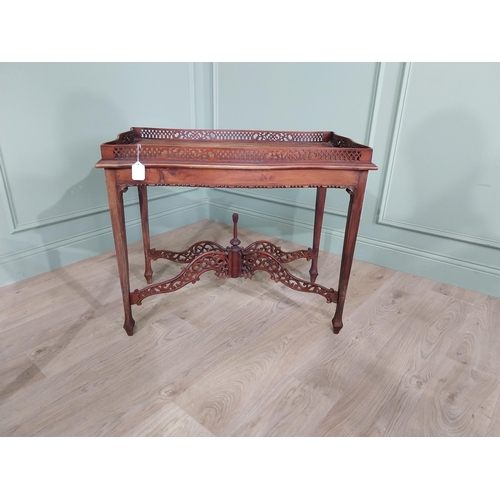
234	252
235	241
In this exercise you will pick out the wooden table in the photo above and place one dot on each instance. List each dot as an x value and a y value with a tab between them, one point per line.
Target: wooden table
234	159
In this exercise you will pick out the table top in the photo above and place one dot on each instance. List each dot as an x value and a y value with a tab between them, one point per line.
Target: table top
196	148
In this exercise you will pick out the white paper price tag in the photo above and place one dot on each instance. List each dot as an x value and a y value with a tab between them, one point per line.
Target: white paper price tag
138	171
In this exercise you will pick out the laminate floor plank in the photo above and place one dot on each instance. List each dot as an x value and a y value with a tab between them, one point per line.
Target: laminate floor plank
85	395
458	401
33	287
170	421
458	293
229	338
365	280
289	408
144	376
232	387
88	286
390	386
494	427
333	364
220	299
75	342
16	373
183	367
43	322
477	344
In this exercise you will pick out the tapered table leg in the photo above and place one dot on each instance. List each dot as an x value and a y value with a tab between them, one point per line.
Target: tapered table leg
115	198
143	205
351	232
318	222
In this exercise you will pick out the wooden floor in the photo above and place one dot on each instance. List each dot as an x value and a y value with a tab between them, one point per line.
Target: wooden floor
246	357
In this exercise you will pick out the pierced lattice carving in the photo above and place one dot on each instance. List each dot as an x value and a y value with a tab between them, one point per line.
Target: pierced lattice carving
211	261
262	261
187	255
277	252
227	155
206	147
229	135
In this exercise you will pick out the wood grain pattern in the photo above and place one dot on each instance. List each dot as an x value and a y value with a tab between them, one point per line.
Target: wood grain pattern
330	366
471	347
232	387
459	401
457	293
95	388
289	408
170	421
16	373
494	427
391	382
415	358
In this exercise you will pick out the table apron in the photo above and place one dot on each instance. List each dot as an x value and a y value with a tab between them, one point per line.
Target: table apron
235	178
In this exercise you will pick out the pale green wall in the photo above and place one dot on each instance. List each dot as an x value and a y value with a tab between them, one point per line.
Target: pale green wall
431	209
53	117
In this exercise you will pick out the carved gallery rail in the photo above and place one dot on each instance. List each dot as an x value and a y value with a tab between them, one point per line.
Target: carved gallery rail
234	159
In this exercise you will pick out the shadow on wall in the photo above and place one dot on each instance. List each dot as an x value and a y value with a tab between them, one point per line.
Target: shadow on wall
61	159
86	122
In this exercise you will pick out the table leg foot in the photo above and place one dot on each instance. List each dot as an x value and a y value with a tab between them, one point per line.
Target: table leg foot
128	326
337	325
149	278
313	274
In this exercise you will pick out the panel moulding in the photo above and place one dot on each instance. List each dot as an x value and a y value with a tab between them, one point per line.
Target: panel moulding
26	226
401	224
442	233
10	209
375	104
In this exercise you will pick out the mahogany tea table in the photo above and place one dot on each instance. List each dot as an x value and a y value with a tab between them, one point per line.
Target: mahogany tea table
233	159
